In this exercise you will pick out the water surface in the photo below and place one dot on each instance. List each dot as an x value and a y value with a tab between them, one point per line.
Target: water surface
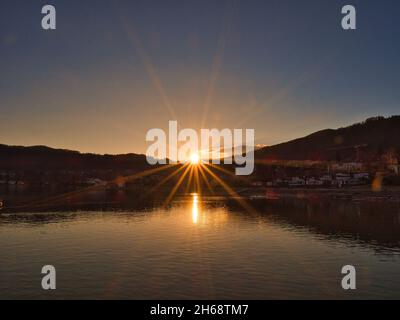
203	248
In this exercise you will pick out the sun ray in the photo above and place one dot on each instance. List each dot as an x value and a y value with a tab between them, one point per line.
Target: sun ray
231	192
230	173
166	179
203	175
197	180
151	70
221	169
217	61
50	200
173	191
284	92
189	180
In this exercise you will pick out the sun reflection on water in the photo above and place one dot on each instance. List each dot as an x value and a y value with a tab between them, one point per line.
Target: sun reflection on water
195	208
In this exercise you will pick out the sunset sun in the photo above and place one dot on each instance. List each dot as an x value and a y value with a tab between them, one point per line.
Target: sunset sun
194	159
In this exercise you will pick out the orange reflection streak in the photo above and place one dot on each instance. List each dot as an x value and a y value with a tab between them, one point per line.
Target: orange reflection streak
221	169
228	172
195	209
231	192
166	179
189	182
173	191
203	175
197	179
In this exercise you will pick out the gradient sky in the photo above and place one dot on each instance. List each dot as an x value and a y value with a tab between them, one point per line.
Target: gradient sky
114	69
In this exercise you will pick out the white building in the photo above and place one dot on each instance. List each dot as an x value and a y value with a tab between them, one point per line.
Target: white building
362	175
296	182
314	182
347	166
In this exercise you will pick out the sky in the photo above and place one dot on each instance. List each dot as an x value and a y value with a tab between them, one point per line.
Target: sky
112	70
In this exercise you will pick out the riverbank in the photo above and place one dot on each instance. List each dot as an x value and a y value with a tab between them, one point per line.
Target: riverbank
357	193
102	200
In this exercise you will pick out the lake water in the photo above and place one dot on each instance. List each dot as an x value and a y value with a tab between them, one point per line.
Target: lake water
204	248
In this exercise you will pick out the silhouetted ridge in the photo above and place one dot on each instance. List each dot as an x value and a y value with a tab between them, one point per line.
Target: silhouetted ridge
42	157
365	141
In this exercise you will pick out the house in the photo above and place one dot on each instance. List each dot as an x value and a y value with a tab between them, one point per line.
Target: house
342	179
296	182
355	182
314	182
361	175
326	180
347	166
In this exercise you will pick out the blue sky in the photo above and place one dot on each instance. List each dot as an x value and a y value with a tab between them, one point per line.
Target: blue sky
114	69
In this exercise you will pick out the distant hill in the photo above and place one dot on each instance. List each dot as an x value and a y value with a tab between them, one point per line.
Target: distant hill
45	158
366	141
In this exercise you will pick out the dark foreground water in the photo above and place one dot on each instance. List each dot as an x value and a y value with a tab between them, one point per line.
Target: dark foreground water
204	248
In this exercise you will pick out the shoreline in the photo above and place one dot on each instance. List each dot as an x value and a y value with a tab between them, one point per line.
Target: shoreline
363	193
123	200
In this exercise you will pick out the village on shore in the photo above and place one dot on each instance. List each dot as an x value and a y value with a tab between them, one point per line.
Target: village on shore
332	175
